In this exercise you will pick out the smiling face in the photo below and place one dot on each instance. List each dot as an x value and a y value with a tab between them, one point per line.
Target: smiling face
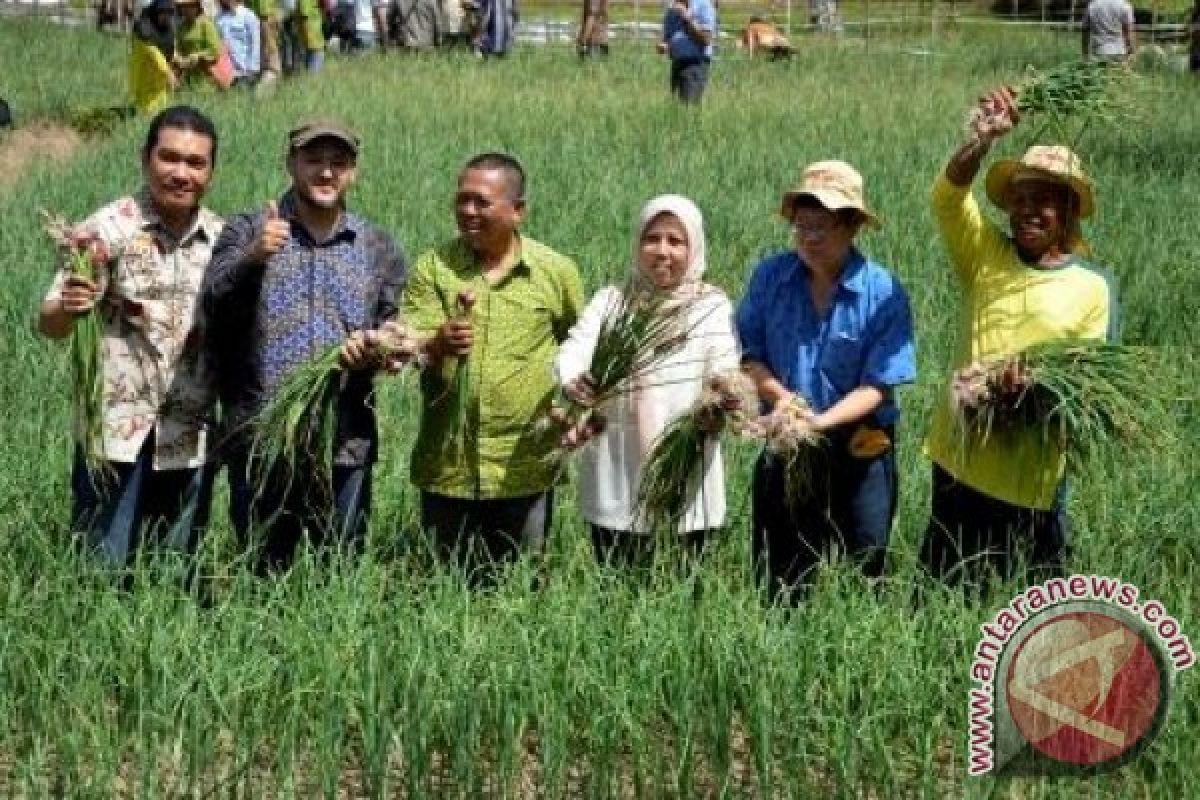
1039	213
322	172
178	169
486	210
823	238
663	251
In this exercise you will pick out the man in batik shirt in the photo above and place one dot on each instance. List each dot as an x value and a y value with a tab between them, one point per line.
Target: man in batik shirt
151	475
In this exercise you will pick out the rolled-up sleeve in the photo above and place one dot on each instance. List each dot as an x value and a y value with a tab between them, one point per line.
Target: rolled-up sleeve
891	355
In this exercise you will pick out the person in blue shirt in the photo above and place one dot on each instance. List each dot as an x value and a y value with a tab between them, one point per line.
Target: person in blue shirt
826	335
689	29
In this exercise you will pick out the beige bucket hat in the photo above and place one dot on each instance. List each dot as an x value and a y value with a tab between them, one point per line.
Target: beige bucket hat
834	184
1043	162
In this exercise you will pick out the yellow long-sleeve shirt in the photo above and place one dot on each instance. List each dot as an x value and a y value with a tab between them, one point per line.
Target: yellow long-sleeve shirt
1008	307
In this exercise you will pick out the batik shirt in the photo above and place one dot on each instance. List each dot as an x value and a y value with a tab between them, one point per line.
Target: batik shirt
305	299
155	377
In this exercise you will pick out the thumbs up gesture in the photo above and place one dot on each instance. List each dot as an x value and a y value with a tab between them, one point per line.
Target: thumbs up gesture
273	233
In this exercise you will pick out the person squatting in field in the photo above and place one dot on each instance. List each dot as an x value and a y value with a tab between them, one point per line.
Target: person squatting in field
1020	289
197	45
826	334
288	283
154	479
668	266
492	306
689	30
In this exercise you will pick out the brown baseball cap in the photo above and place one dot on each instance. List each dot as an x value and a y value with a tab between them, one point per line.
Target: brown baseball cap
308	132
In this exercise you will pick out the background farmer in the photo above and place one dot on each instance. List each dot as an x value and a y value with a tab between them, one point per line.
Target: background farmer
825	325
1020	288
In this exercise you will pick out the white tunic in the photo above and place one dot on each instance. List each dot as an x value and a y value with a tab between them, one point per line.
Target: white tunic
611	464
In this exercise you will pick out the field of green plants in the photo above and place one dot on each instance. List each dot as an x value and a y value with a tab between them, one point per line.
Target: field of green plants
388	677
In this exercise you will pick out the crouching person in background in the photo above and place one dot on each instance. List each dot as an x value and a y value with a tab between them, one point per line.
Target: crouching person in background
143	478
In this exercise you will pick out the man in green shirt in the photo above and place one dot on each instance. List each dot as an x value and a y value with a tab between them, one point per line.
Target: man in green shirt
197	44
492	306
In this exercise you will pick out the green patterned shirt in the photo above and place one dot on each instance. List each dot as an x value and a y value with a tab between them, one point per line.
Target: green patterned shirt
500	451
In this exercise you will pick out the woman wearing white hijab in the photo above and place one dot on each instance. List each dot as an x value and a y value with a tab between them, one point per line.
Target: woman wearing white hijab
668	258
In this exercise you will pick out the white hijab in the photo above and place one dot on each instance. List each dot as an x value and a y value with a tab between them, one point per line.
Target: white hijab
693	224
648	418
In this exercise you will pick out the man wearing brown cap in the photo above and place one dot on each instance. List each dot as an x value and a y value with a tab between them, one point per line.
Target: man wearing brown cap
287	283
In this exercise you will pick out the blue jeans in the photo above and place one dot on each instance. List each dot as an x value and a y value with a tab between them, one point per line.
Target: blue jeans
282	514
851	506
118	508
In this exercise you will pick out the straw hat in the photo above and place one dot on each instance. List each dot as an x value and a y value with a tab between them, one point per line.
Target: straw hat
834	184
1042	162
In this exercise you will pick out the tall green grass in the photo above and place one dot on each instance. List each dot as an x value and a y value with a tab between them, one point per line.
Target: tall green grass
389	677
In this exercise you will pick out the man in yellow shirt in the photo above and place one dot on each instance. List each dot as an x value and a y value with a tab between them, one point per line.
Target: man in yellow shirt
1019	290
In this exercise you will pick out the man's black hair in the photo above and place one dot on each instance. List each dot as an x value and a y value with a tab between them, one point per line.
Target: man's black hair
183	118
513	171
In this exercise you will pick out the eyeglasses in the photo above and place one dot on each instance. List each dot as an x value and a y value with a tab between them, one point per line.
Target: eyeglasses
818	231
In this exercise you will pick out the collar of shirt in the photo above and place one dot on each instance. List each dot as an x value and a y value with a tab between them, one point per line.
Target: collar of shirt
349	227
852	277
203	223
469	262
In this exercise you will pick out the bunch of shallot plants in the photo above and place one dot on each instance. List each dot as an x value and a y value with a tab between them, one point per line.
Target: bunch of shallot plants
1084	92
674	467
638	334
1081	397
294	432
86	256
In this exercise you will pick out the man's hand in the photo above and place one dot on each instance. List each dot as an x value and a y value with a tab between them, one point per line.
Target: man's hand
582	390
661	48
454	338
272	235
398	345
994	115
361	350
79	295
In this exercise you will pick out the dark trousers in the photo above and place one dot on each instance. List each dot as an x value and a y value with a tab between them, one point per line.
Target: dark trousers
282	514
850	508
688	79
116	509
480	535
971	535
627	550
